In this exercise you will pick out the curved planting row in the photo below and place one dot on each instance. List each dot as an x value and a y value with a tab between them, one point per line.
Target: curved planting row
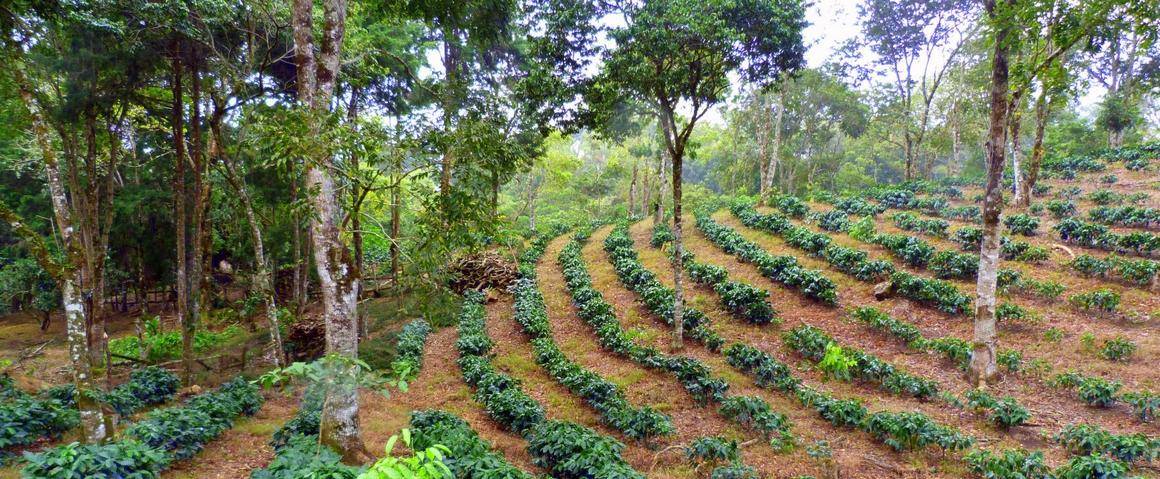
410	349
969	238
599	393
781	268
566	449
150	445
849	363
1090	235
1128	216
467	455
1136	272
750	412
937	293
25	419
899	430
743	300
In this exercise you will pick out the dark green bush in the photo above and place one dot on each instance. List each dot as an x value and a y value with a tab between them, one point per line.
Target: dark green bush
127	459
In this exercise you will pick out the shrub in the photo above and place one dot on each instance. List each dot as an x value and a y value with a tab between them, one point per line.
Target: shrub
1009	464
303	457
410	349
1144	404
571	451
1118	349
754	413
734	471
661	235
951	264
941	294
1007	312
881	321
910	222
468	453
767	371
1005	412
792	206
834	220
746	302
914	430
1102	300
1093	439
909	249
970	213
712	449
1010	359
1061	208
1098	392
184	431
127	459
25	420
1021	224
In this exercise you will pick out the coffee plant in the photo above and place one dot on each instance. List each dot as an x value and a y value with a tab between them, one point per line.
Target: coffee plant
1101	301
913	431
1092	439
1092	466
791	206
410	349
881	321
942	295
1144	404
127	459
949	264
814	344
858	206
1005	412
910	222
837	221
1128	216
1021	224
1118	349
25	420
602	395
969	213
571	451
1008	464
1061	209
468	454
661	235
754	413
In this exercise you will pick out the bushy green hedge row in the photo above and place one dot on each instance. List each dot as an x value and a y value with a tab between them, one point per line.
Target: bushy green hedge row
910	222
970	213
1090	235
594	310
958	351
410	349
1130	216
813	344
25	419
970	238
899	430
567	450
162	436
148	386
940	294
470	455
1087	439
1139	272
744	301
780	268
601	394
657	297
848	260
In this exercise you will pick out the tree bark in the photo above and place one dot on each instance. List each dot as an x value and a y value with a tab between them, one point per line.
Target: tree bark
775	154
96	426
1015	120
675	146
1028	186
180	215
983	368
338	277
632	190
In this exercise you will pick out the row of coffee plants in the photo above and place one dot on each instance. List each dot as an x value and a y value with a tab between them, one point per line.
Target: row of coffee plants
1130	216
968	213
934	292
297	451
693	375
1108	197
1100	392
847	260
25	419
1003	412
1140	272
911	222
722	455
899	430
751	412
970	238
1022	464
601	394
1090	235
904	199
958	351
565	449
1088	439
1021	224
744	301
467	454
150	445
409	349
654	295
850	363
148	386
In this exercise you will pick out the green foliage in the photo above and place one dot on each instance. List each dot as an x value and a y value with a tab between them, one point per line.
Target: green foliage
881	321
908	221
661	234
712	450
1093	466
1005	412
1101	300
1144	404
467	455
424	463
835	364
571	451
1087	439
127	459
184	431
303	457
161	346
913	430
816	345
410	349
1008	464
837	221
1021	224
1128	216
1061	208
1118	349
25	420
766	371
940	294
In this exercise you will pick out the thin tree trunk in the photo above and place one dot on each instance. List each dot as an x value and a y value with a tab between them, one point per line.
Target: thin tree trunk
982	368
451	57
632	190
96	426
1015	120
775	154
338	277
659	207
1037	150
675	148
180	214
396	218
956	145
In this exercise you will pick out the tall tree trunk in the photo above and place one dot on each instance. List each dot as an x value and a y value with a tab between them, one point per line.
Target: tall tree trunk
1015	120
659	206
775	153
908	150
675	146
338	277
451	60
957	159
396	218
96	426
982	368
632	190
1028	186
180	214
